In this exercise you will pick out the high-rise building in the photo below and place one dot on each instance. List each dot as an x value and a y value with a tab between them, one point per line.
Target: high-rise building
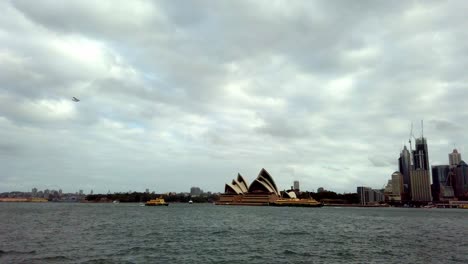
397	179
420	154
404	166
296	185
460	180
440	182
420	186
34	192
419	173
454	158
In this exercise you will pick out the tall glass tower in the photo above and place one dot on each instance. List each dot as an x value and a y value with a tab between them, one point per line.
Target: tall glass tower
404	166
420	154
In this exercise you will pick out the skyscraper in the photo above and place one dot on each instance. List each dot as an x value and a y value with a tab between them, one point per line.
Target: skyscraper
440	181
296	185
396	183
460	181
404	166
454	158
419	173
420	154
420	186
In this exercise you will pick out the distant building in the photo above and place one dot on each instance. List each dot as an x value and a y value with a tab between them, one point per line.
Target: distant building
454	158
147	190
34	192
320	189
388	188
460	180
296	185
369	196
419	174
441	186
397	180
420	154
393	190
80	192
404	166
196	191
420	186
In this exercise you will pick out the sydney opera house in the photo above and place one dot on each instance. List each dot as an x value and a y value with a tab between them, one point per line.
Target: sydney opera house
262	191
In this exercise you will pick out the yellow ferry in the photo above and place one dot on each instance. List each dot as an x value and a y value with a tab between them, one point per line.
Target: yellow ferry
156	202
295	202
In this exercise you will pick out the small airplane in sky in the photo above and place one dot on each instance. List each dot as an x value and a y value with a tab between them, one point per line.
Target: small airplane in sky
75	99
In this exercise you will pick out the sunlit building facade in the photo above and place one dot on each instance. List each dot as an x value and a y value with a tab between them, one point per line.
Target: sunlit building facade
420	186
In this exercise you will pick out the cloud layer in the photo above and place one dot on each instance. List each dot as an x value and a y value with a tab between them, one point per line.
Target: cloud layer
180	94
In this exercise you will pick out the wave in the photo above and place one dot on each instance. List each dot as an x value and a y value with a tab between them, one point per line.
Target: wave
294	233
291	252
14	252
218	232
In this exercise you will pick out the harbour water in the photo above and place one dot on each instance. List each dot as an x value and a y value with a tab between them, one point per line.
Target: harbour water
205	233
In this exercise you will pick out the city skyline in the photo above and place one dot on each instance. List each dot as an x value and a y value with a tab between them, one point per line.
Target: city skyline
172	95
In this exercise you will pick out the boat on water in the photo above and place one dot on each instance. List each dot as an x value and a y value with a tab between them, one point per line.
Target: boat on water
116	202
190	202
294	202
156	202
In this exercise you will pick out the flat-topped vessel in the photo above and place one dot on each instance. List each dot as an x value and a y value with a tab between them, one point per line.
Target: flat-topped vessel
156	202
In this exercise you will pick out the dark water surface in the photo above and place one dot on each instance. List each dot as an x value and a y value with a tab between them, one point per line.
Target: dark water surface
204	233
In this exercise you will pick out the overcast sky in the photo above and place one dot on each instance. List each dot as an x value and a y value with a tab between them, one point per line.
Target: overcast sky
177	94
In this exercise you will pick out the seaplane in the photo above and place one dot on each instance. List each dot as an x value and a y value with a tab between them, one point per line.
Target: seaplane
74	99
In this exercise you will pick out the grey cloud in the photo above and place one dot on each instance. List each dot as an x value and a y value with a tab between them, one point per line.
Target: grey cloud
182	93
379	162
444	125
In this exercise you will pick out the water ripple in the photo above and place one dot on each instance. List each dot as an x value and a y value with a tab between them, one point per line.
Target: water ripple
103	233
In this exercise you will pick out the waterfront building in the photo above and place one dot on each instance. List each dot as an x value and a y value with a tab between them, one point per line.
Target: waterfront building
34	192
454	158
393	190
460	180
441	186
296	185
420	185
368	196
262	191
388	188
397	179
419	173
237	186
404	166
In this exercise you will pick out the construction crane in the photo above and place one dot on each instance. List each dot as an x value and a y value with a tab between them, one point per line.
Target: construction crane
411	136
